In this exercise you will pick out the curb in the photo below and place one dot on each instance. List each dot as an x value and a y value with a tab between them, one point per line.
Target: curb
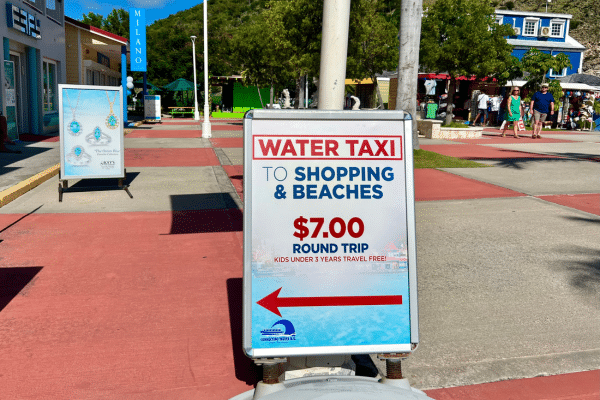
10	194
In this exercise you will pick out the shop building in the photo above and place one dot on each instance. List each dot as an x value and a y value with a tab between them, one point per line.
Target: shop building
33	36
93	55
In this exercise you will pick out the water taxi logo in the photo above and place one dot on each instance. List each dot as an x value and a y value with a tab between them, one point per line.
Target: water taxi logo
281	331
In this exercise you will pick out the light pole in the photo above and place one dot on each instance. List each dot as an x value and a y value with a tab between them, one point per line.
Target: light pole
206	124
196	113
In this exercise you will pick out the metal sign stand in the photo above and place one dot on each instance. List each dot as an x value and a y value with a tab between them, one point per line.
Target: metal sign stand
63	186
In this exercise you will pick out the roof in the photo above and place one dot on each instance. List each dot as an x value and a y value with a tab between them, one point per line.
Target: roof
591	80
568	44
533	14
97	31
564	85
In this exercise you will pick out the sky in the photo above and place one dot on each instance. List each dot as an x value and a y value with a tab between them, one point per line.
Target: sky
155	9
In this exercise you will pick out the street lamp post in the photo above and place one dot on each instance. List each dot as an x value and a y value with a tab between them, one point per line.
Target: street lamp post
206	123
196	113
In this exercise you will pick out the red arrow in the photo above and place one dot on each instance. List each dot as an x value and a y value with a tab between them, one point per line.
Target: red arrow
272	302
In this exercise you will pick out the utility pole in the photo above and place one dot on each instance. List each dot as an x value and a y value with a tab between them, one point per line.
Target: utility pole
408	63
334	51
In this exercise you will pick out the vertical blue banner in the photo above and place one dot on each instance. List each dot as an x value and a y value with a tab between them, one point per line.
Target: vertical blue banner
137	39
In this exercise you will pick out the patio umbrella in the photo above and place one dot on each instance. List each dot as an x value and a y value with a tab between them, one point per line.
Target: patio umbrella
180	85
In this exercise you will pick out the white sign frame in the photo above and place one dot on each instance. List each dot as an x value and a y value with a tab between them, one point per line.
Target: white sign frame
116	135
152	107
255	123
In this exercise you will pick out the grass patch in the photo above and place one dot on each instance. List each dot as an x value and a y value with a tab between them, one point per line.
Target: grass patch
454	124
429	159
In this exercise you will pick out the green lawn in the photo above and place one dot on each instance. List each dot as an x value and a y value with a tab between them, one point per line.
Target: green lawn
429	159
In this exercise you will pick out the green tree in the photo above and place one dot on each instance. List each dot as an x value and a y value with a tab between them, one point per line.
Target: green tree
93	19
373	45
537	64
460	37
117	22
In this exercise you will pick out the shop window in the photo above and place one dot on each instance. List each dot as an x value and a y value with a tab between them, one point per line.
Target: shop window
54	10
49	71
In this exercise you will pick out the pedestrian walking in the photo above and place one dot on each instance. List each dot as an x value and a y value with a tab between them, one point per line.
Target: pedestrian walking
541	104
482	107
514	111
494	109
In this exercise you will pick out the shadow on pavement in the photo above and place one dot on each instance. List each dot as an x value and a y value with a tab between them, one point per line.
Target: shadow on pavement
103	183
26	152
245	370
519	163
13	280
206	221
20	219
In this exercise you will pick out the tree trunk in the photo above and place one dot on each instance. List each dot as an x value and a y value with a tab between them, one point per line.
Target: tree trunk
300	91
260	97
408	73
272	95
449	108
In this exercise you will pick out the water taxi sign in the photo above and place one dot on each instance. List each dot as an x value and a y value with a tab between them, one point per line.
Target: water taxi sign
329	233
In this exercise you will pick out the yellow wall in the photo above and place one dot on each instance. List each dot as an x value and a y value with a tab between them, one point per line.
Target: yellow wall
72	56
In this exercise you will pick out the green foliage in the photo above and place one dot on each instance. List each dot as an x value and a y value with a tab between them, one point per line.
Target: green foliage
373	43
461	37
93	19
116	22
537	64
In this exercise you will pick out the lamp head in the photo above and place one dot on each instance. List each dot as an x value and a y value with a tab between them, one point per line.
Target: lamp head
193	38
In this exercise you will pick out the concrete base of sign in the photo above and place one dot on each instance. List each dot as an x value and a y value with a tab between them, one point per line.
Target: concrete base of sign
299	367
265	389
347	387
432	129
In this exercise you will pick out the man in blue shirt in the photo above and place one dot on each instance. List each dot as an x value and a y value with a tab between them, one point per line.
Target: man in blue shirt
541	104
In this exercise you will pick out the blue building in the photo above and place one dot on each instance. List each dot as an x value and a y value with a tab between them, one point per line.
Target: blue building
546	32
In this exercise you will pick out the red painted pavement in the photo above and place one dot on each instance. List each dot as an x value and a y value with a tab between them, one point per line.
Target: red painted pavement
544	132
494	139
170	157
576	386
431	184
144	305
236	175
164	133
585	202
227	142
475	152
227	127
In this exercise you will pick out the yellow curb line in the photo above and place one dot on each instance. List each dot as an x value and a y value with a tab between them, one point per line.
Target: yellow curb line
10	194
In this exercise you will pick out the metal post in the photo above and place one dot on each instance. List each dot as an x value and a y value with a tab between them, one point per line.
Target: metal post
124	82
196	113
334	51
408	62
206	130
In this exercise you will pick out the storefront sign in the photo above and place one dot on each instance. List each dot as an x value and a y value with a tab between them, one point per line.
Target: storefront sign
137	38
22	21
152	108
11	100
91	132
329	239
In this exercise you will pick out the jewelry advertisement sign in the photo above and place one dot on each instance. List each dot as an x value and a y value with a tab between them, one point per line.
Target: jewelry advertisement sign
91	132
